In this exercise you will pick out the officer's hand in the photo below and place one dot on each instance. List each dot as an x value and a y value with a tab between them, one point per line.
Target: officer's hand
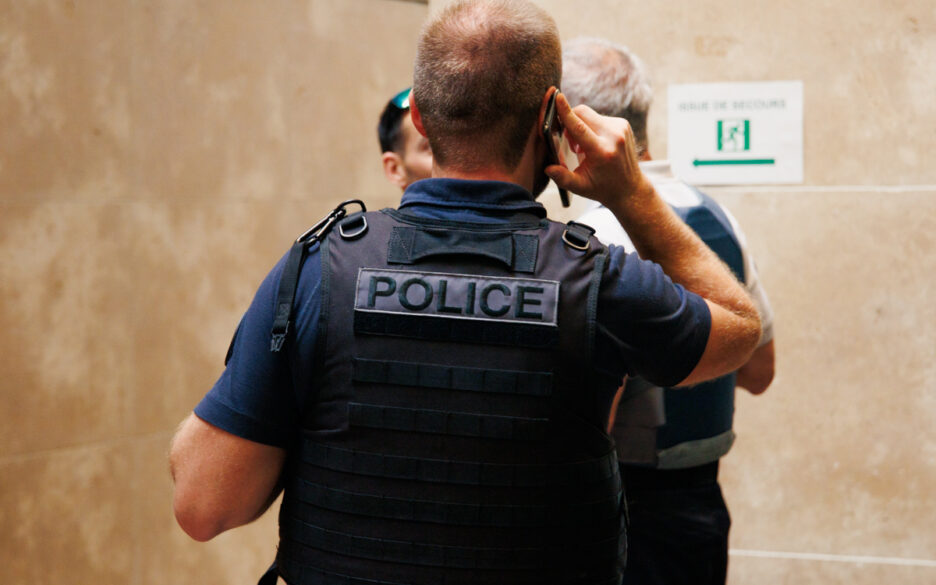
608	170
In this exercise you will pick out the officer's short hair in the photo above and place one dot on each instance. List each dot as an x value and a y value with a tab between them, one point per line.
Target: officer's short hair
610	79
482	69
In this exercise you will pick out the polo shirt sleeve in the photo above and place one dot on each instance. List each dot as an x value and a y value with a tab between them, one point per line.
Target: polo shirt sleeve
648	326
254	398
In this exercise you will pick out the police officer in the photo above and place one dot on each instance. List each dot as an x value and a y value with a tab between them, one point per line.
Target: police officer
435	411
669	440
405	152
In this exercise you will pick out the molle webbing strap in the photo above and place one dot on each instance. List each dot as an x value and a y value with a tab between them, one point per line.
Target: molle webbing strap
454	557
516	251
452	377
440	422
303	573
562	513
589	471
457	330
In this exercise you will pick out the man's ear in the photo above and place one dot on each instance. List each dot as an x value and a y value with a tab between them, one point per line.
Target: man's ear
393	169
415	116
542	113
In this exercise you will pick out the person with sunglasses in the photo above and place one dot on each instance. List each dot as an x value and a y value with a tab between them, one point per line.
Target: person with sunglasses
435	410
405	153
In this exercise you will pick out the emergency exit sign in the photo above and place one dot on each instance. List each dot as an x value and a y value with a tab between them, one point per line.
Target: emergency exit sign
737	133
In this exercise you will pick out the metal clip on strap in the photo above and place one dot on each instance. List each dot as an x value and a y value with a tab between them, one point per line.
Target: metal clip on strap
576	235
290	278
353	226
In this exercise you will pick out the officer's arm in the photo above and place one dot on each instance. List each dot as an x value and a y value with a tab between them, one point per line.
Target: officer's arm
757	374
609	173
659	235
221	480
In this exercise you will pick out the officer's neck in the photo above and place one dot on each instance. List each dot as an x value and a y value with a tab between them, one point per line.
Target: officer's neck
524	174
481	174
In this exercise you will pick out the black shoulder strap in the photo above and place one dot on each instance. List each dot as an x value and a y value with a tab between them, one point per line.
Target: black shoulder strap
297	254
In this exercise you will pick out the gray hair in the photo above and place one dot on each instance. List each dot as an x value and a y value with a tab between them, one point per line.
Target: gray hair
610	79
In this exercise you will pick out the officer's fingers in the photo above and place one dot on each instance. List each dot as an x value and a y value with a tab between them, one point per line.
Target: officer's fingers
617	129
566	179
577	130
596	120
589	116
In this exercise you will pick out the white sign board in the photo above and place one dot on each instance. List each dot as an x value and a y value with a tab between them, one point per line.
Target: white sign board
737	133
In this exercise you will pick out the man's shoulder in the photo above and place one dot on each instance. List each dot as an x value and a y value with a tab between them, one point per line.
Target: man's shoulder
676	192
607	228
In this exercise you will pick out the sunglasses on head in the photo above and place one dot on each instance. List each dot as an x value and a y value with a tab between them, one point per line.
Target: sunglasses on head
401	100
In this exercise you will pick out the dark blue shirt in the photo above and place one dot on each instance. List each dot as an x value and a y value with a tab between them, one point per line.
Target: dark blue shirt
647	325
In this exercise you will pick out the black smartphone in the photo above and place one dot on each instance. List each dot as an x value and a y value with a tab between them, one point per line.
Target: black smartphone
555	141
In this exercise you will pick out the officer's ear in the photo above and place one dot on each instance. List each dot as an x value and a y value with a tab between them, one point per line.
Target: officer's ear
393	169
542	112
415	116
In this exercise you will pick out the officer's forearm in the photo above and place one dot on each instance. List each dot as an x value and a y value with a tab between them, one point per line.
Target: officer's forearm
659	235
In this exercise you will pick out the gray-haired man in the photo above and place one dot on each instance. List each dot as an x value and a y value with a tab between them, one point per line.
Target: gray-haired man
669	441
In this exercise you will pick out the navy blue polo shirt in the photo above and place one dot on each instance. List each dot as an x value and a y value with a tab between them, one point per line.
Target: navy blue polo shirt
647	325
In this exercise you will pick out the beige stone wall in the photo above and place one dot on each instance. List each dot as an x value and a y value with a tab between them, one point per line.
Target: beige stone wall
156	159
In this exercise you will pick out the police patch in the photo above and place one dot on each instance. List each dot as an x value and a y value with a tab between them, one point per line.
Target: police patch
523	301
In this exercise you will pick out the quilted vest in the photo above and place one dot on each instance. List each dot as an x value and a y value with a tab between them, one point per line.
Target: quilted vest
675	428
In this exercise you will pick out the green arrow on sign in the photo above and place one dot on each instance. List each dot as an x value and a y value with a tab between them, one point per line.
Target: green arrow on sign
733	161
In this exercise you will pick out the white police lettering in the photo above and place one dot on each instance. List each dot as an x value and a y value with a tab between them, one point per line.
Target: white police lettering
458	296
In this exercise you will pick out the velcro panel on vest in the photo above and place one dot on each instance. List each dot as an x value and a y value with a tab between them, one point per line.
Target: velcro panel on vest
457	307
443	471
460	424
409	245
452	377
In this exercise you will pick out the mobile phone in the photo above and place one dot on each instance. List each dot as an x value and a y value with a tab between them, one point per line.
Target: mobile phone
556	142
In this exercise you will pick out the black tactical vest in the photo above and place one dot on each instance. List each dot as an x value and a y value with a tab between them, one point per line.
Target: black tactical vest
454	436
